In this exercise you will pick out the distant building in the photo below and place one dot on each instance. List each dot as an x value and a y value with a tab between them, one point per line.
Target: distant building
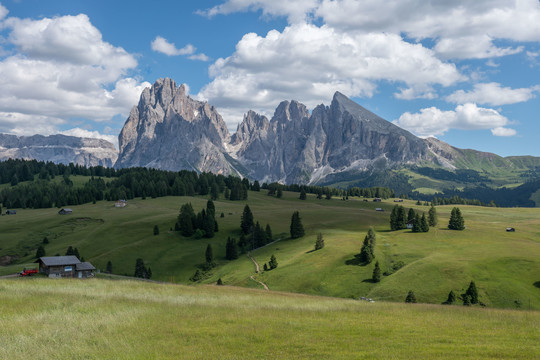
11	212
398	200
65	266
65	211
120	203
510	229
410	224
377	200
379	209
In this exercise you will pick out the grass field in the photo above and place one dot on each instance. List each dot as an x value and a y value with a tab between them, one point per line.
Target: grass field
103	319
505	266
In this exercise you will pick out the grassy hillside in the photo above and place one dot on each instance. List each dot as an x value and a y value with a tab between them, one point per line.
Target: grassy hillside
100	319
505	266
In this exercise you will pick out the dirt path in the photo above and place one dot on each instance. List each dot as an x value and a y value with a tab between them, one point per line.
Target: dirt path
257	270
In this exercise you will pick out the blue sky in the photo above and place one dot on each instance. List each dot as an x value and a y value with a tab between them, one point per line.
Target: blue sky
465	72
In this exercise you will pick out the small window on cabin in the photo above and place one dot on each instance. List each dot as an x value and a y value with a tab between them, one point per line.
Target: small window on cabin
68	268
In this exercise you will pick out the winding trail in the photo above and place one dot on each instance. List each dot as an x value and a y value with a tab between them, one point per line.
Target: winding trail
257	270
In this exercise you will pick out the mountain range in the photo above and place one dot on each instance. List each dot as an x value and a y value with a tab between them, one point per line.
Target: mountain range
335	144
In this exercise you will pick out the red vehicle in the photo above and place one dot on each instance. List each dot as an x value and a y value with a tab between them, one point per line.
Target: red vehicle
28	272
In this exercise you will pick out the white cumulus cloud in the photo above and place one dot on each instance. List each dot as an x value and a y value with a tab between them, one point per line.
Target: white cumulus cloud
433	121
61	68
160	44
493	94
314	62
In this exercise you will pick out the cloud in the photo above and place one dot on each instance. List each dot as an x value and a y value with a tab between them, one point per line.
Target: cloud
493	94
3	12
461	29
315	62
433	121
296	11
501	131
60	68
78	132
160	44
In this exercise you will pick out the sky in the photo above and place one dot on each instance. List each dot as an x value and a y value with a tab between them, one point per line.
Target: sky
466	72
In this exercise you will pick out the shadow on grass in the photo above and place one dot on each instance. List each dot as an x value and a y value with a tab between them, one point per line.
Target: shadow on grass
369	281
537	284
356	262
310	251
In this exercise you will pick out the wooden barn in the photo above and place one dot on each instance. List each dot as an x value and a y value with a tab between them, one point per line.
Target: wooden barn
65	266
65	211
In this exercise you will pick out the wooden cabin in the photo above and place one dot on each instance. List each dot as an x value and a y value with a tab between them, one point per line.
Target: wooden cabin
65	266
65	211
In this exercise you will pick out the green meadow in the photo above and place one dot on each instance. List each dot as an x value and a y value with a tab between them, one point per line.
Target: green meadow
505	266
106	319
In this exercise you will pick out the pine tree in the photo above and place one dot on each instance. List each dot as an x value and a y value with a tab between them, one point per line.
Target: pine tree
209	256
268	232
197	276
186	220
296	228
424	227
401	222
40	252
258	236
393	218
376	277
156	230
256	186
432	215
45	240
210	208
109	269
319	244
247	223
367	253
231	249
410	297
472	293
416	224
411	215
69	251
303	194
219	282
279	194
214	191
76	253
140	270
208	224
265	267
451	298
456	220
273	262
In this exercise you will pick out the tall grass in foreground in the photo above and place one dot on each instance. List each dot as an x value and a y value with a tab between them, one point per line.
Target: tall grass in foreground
100	319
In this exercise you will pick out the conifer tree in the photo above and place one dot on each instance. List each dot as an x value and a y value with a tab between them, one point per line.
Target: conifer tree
231	249
140	270
109	268
256	186
393	218
214	191
411	215
186	220
268	232
401	222
40	252
279	193
303	194
258	236
472	293
197	276
209	256
156	230
451	298
432	216
410	297
296	228
45	239
219	282
70	251
210	208
376	277
319	243
456	220
273	262
424	227
416	224
247	223
265	267
367	254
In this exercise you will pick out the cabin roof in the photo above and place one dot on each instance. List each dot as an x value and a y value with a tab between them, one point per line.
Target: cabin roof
59	260
85	266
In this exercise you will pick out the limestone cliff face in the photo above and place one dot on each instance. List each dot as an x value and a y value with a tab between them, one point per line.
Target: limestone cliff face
58	149
297	147
171	131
